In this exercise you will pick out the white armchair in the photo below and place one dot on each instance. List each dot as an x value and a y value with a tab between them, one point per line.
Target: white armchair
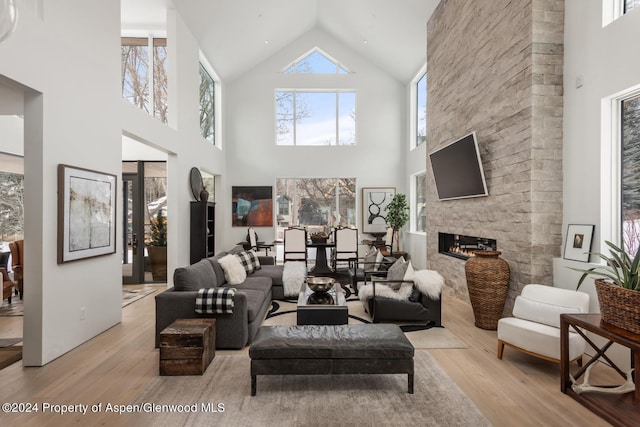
535	327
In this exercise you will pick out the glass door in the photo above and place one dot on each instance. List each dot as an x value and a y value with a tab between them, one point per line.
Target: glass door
133	230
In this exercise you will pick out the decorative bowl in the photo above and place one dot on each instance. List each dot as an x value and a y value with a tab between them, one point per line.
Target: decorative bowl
320	284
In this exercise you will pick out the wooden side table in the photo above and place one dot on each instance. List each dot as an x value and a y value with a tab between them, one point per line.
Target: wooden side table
618	409
187	346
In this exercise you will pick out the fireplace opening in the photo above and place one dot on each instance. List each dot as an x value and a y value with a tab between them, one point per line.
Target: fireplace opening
460	246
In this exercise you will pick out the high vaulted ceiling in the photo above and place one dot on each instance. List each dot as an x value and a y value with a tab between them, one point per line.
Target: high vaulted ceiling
235	35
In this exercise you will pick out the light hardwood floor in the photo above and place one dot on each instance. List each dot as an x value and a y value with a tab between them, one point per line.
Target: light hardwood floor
116	365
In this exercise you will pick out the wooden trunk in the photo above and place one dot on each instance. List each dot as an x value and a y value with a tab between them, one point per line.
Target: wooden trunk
187	346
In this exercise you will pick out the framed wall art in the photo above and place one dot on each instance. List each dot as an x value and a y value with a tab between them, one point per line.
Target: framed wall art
578	243
374	201
252	206
86	213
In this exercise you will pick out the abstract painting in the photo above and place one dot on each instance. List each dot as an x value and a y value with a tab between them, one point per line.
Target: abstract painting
252	206
86	213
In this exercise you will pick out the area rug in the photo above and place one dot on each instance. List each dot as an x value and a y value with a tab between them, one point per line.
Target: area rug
7	342
308	400
132	295
421	336
10	355
16	308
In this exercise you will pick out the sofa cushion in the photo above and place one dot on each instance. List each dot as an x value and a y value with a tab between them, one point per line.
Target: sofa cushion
262	284
196	276
255	300
274	272
234	272
217	268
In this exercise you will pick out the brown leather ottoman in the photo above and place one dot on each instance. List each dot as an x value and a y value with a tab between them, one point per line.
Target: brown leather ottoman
331	349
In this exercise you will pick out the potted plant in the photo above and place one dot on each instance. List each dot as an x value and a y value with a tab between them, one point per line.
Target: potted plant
157	247
397	215
617	286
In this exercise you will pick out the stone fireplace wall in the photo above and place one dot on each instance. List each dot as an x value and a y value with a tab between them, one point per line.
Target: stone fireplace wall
496	68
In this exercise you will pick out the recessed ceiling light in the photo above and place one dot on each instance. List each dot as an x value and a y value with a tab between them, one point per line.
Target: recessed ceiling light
365	41
266	42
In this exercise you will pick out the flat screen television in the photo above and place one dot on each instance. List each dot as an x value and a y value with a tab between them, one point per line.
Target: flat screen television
457	169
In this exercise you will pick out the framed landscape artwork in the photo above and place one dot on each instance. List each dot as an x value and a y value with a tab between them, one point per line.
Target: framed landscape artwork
252	206
578	243
86	213
374	201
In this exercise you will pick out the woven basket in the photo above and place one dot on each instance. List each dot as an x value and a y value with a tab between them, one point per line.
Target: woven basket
619	306
488	284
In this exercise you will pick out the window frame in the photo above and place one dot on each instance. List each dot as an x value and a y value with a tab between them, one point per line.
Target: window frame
413	107
151	41
611	166
217	101
335	92
413	202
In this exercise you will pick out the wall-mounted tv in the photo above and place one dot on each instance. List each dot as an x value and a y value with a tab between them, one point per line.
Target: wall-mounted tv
457	169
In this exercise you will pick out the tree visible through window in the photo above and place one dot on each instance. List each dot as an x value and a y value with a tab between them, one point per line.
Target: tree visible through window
137	82
207	97
315	117
421	110
631	174
630	4
316	202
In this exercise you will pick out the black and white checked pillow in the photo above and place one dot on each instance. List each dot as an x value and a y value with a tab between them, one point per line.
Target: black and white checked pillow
215	300
249	261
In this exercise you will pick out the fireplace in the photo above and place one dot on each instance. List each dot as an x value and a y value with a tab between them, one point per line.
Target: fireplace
460	246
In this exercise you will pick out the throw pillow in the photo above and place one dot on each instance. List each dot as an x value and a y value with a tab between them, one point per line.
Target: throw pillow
234	272
396	272
245	261
370	259
249	261
410	272
255	261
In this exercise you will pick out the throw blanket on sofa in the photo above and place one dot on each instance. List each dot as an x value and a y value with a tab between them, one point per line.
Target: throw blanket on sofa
428	282
293	277
215	300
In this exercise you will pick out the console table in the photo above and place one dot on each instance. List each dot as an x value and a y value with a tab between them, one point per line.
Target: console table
618	409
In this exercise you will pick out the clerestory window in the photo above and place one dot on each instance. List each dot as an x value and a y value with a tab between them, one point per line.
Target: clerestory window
315	62
315	117
144	74
207	105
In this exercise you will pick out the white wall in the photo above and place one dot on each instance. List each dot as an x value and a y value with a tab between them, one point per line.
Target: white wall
63	61
254	159
607	61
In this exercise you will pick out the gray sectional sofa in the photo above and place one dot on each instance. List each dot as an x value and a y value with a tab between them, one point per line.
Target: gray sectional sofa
251	301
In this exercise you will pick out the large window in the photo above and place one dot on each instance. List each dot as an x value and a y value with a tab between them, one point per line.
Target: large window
144	74
630	4
419	205
315	117
207	106
315	203
630	112
421	110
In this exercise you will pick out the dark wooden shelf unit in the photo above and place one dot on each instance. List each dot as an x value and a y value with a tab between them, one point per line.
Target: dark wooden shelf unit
202	235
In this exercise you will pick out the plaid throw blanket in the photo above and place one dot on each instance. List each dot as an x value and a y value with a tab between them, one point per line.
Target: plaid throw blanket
215	300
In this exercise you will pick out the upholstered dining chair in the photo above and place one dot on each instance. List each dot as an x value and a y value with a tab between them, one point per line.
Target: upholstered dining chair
17	264
346	249
295	244
7	285
535	326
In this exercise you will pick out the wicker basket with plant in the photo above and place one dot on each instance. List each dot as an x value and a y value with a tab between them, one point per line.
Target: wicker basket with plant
618	287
